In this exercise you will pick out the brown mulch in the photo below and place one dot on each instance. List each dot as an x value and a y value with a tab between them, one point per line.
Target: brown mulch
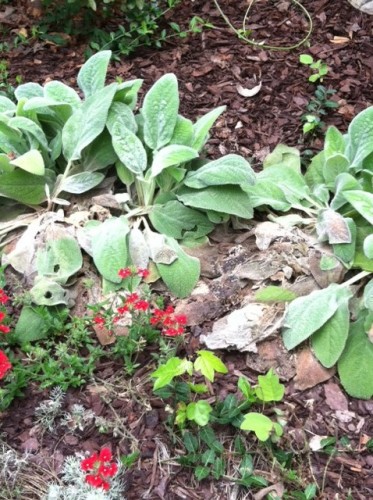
209	66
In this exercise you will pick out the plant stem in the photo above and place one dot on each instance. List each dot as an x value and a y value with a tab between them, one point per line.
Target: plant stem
57	189
355	278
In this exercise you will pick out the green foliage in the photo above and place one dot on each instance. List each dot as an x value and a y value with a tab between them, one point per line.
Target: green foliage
66	358
320	68
317	109
204	452
62	145
336	196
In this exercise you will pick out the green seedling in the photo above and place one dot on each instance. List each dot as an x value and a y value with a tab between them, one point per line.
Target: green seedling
320	68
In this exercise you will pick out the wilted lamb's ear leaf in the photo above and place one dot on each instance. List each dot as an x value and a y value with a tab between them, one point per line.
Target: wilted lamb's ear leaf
171	155
360	137
175	219
159	251
346	251
87	122
23	187
225	199
129	149
329	341
202	127
182	275
32	162
138	249
160	111
306	315
47	292
110	248
333	227
61	259
80	183
30	326
355	366
231	169
362	201
92	74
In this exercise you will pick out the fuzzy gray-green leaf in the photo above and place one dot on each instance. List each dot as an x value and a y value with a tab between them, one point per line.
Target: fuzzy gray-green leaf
231	169
355	366
110	248
129	149
92	75
329	341
306	315
226	199
160	111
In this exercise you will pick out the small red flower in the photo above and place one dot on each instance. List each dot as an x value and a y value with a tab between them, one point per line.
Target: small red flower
99	320
2	316
113	469
105	485
3	297
122	309
94	480
5	364
89	463
143	273
172	332
180	319
132	298
4	329
100	468
141	305
105	455
125	273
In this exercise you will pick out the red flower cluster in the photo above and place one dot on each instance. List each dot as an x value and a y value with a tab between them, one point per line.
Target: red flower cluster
172	324
133	302
5	364
128	272
3	297
3	328
101	468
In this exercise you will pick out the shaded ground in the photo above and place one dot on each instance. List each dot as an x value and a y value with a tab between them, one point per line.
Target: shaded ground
209	67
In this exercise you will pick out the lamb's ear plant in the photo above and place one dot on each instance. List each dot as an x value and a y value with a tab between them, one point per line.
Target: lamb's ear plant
56	142
336	197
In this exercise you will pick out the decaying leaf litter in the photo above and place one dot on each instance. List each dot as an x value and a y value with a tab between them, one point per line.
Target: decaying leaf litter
238	262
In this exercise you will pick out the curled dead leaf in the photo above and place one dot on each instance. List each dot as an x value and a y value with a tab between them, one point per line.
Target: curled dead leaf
249	92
